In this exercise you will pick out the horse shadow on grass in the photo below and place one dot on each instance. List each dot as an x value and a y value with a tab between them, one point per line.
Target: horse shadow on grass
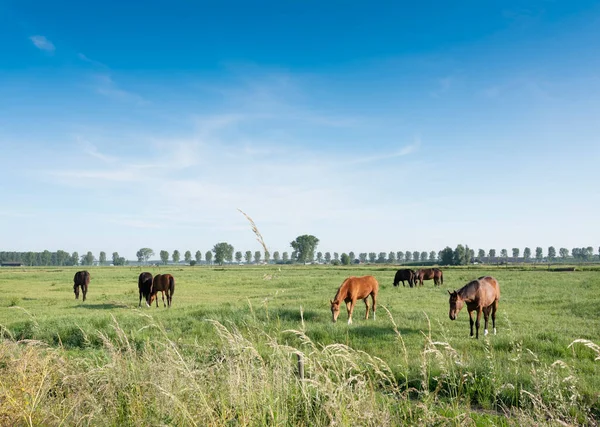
103	306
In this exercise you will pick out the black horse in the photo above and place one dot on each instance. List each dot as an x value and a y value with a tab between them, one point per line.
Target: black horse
404	274
145	287
81	279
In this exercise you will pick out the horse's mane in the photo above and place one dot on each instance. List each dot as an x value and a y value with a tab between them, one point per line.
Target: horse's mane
462	292
341	288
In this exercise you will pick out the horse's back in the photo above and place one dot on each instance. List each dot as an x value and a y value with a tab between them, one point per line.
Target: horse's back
81	278
163	282
145	281
363	286
490	288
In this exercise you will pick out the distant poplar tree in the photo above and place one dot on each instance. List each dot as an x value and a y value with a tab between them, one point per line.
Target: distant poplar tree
564	253
256	257
267	256
432	256
492	253
102	259
480	253
198	256
238	256
248	257
345	259
285	257
527	253
372	257
423	256
515	252
539	253
75	258
551	253
208	257
391	257
416	255
362	257
276	256
408	256
319	257
164	256
176	256
352	256
187	257
504	253
400	256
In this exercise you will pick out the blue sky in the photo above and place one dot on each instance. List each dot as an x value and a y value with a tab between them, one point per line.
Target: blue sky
375	126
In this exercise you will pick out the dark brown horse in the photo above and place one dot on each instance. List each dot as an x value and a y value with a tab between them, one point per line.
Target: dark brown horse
428	274
81	279
352	289
164	283
481	295
404	274
145	286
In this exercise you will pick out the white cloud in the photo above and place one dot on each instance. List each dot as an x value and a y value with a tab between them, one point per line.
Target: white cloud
106	86
42	43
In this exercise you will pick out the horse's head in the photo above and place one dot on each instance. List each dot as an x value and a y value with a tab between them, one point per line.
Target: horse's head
456	304
335	310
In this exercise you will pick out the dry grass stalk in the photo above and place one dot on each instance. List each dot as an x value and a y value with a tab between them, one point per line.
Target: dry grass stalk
259	236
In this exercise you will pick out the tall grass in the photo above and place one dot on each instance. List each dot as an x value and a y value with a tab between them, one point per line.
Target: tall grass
250	377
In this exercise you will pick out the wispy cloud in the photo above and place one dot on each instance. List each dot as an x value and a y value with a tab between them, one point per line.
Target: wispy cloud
408	149
42	43
106	86
91	61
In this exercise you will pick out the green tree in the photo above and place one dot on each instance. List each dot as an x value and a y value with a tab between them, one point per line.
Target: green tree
144	254
480	253
198	256
492	253
238	256
248	257
267	256
352	256
504	253
416	255
47	257
400	256
87	259
515	252
117	260
372	257
284	257
564	253
539	254
446	256
164	257
551	253
336	256
305	247
319	257
362	257
345	259
187	257
432	256
391	257
75	258
527	254
61	257
381	258
223	252
276	256
423	256
176	256
408	256
208	257
327	257
461	255
257	257
102	259
294	256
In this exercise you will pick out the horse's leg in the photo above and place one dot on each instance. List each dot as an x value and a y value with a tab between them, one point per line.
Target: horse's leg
494	308
76	290
366	305
350	308
471	321
140	304
486	316
84	289
477	323
374	298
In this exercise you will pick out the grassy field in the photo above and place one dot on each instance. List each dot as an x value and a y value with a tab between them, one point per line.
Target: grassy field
225	353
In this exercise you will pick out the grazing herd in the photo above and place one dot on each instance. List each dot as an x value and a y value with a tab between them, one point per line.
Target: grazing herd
479	295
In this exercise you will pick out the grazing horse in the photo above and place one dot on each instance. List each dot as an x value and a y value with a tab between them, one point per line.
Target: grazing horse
145	286
352	289
81	279
428	274
164	283
404	274
481	295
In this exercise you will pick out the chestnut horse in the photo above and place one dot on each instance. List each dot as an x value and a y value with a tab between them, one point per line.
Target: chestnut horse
428	274
144	286
164	283
404	274
352	289
481	295
81	279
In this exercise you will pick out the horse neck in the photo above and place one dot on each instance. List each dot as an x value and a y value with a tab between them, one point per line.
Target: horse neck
342	291
465	292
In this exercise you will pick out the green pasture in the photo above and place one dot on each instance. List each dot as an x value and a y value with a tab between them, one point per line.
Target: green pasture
540	314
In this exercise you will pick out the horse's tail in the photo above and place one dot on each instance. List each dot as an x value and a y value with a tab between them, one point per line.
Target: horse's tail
171	285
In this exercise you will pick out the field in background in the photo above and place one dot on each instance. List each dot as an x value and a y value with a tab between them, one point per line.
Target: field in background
435	371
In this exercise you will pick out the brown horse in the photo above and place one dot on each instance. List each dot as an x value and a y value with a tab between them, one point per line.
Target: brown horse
164	283
428	274
352	289
144	286
404	274
81	279
481	295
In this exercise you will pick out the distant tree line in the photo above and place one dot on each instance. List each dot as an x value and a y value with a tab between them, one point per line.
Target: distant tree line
304	252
